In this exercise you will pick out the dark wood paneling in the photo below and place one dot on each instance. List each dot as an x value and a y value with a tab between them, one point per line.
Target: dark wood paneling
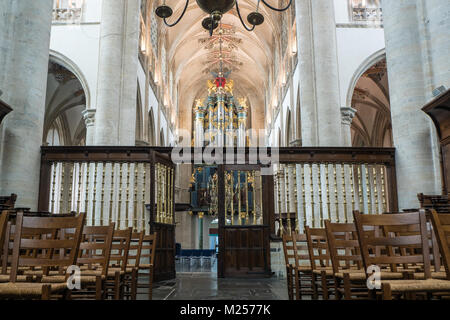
165	251
439	111
246	251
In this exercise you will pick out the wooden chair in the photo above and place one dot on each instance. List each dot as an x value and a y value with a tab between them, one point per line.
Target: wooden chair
391	253
440	203
302	267
46	246
118	263
320	260
93	260
147	262
346	260
134	257
289	255
441	224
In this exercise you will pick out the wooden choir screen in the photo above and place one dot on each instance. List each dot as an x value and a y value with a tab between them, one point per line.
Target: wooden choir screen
110	184
315	184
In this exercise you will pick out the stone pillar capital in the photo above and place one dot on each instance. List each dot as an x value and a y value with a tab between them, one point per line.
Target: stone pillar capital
347	115
89	117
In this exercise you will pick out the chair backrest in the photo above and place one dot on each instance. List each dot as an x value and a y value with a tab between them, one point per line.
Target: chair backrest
343	245
319	255
440	203
134	254
8	202
288	249
42	236
441	224
95	247
392	243
149	249
411	230
120	248
3	225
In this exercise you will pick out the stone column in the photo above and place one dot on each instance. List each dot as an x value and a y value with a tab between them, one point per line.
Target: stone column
347	115
319	78
89	120
409	85
117	73
24	52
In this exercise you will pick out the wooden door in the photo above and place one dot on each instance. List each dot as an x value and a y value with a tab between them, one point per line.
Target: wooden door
244	243
162	217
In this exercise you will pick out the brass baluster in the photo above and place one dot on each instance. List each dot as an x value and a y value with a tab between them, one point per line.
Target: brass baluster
305	220
61	187
246	199
239	198
94	194
297	225
86	194
254	196
383	188
69	201
319	169
313	206
327	167
336	192
127	195
344	192
352	182
144	181
260	217
102	201
288	202
52	204
111	199
232	198
80	176
158	197
120	189
279	203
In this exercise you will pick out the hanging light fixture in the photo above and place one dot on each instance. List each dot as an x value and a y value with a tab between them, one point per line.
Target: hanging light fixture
215	10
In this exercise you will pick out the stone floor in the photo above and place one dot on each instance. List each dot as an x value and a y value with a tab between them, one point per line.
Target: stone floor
206	286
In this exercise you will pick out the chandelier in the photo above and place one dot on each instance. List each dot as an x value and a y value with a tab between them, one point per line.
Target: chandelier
215	10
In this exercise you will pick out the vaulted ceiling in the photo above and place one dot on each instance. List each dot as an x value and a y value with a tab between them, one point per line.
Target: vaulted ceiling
187	57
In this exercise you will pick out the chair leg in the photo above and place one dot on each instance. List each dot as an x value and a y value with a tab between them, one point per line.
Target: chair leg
150	285
134	284
323	276
347	287
297	284
99	294
314	286
117	285
46	292
387	293
337	286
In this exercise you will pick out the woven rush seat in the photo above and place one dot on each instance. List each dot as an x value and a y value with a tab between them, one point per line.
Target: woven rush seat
29	290
62	279
129	270
111	273
441	275
4	278
361	275
417	285
304	268
328	271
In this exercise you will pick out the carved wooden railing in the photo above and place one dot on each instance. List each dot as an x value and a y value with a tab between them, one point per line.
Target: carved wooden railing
315	184
110	184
